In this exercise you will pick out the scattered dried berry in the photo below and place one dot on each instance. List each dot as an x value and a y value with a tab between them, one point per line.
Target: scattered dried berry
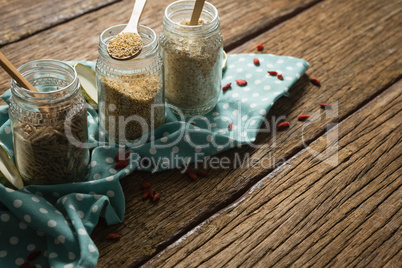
326	105
121	164
146	193
230	126
156	197
241	82
315	81
122	155
303	117
260	47
256	61
201	173
192	123
34	255
152	194
145	185
272	72
283	125
280	76
112	236
226	87
191	174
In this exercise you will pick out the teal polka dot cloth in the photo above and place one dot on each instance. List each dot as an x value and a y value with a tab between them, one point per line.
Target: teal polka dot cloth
57	220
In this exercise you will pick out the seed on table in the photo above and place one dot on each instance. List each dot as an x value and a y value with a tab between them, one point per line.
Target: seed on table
226	87
256	61
241	82
191	174
260	47
146	193
230	126
201	173
272	72
121	164
145	185
315	81
280	76
303	117
283	125
156	197
326	105
113	236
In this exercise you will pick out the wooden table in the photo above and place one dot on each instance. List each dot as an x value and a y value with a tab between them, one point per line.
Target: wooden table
323	194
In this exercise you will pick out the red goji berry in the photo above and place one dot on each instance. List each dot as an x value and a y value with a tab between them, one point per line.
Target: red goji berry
241	82
152	194
34	255
112	236
156	197
315	81
260	47
191	174
121	164
303	117
272	72
256	61
122	155
283	125
192	123
280	76
326	105
145	185
201	173
146	193
226	87
230	126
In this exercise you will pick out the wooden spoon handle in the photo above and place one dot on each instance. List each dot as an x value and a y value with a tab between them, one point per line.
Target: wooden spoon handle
13	72
132	25
199	4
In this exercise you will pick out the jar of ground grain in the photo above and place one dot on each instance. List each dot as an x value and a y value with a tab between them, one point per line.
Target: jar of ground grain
192	58
131	95
50	126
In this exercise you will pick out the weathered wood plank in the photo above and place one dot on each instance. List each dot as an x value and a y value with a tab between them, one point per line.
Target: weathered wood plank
310	213
348	80
184	203
23	18
78	39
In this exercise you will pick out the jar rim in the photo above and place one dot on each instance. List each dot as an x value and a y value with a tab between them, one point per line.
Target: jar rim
195	28
147	49
48	97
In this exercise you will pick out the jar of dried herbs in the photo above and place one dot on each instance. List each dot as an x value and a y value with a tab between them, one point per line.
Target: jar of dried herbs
192	58
50	126
131	92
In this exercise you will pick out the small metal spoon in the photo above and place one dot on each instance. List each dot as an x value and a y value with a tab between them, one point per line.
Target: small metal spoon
132	27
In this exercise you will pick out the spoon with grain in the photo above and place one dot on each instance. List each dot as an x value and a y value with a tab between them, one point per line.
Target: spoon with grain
128	43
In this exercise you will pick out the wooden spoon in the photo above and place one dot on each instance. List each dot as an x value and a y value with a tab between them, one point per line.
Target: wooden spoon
199	4
130	32
13	72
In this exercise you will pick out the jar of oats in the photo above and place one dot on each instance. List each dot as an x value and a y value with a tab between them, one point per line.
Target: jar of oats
131	96
192	58
50	130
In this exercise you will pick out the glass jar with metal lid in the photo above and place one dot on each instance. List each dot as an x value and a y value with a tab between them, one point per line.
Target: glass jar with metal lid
50	126
192	58
131	92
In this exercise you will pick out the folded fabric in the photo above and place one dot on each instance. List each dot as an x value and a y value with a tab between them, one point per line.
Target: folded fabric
58	219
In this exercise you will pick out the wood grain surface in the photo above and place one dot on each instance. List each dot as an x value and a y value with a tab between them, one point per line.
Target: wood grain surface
23	18
353	47
343	215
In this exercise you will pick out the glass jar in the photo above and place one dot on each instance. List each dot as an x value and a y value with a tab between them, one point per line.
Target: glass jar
50	126
192	58
131	94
